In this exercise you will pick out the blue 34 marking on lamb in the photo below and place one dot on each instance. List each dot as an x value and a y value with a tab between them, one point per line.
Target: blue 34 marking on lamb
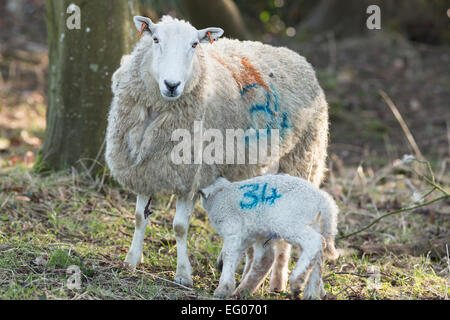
252	197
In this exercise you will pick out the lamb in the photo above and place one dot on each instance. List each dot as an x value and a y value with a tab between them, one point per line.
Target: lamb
176	76
253	211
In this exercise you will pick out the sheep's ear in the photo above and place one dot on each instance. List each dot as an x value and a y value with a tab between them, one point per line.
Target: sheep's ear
204	34
144	24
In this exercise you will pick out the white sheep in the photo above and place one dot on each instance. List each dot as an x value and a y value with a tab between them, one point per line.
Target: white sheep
253	211
175	76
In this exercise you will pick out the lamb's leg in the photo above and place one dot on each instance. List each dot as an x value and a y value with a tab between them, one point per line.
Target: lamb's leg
231	253
248	261
260	267
279	276
311	243
314	284
134	255
184	209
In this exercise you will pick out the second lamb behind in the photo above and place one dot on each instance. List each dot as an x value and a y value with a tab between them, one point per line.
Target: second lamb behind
250	212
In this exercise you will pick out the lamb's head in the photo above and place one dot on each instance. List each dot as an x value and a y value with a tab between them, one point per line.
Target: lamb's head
173	52
208	193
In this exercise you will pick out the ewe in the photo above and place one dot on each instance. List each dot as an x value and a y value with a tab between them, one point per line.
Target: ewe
250	212
175	76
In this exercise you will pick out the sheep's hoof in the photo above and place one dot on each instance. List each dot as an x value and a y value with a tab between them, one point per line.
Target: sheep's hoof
184	281
131	261
129	265
126	265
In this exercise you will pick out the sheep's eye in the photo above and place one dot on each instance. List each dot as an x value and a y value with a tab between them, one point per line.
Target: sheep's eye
155	40
194	45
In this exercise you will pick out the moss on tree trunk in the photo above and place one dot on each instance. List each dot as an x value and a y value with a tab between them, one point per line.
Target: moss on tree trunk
80	69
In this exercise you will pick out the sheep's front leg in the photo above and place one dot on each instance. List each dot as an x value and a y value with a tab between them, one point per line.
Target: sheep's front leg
134	255
231	253
184	209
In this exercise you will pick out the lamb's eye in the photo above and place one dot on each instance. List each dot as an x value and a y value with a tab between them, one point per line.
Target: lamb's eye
194	45
155	40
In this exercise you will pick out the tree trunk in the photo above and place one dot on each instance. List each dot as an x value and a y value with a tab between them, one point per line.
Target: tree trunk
80	69
216	13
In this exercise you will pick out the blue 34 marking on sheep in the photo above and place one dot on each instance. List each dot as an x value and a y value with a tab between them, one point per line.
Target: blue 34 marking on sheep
252	197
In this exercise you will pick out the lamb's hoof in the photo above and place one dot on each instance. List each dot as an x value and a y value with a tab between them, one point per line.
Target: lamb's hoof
323	293
241	293
184	281
223	292
275	289
313	295
310	297
295	294
277	285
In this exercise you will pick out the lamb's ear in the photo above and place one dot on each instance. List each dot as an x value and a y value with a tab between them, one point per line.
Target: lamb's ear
210	191
144	21
202	194
215	33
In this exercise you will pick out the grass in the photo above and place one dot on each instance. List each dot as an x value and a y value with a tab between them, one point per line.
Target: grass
49	223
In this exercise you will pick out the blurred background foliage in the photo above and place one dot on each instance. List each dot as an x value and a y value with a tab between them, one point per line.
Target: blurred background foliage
419	20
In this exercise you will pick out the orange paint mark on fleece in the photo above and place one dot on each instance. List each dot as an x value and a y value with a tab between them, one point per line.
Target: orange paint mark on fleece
246	75
251	75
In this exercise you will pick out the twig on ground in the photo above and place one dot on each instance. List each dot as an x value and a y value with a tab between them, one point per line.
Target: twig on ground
392	213
430	180
159	278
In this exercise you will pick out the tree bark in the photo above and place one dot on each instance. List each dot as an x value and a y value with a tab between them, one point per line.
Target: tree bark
216	13
80	69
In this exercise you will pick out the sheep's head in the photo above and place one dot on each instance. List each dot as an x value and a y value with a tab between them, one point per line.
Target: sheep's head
173	51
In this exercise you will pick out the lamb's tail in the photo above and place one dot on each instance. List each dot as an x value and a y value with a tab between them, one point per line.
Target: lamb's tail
329	211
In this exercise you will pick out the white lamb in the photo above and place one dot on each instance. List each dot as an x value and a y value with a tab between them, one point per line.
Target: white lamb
175	76
253	211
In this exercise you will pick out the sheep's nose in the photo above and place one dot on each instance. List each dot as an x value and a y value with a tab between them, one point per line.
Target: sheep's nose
172	86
